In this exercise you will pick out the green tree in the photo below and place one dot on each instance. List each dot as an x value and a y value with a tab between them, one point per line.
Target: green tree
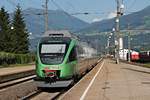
5	33
20	37
147	21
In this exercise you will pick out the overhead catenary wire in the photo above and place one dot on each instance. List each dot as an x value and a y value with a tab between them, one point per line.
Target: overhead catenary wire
131	5
12	3
60	8
71	5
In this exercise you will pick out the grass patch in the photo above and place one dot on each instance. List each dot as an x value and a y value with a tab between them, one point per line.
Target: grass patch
147	65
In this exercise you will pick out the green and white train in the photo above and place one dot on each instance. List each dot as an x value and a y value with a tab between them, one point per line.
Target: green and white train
57	58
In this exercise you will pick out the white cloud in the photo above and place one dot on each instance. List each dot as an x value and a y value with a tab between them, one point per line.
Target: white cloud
111	15
96	19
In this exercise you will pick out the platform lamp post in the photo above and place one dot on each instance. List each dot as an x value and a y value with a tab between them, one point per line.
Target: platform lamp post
115	42
108	42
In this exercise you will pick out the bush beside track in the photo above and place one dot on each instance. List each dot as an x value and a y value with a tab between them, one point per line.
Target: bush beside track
10	58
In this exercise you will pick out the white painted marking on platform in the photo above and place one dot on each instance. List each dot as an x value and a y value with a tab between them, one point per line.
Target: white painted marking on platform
87	89
76	84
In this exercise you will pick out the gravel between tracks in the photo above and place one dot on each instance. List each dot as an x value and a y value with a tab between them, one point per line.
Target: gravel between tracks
17	91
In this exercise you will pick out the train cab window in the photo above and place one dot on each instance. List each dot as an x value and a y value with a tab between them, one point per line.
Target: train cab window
73	55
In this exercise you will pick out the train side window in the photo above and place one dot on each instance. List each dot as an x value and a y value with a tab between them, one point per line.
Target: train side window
73	55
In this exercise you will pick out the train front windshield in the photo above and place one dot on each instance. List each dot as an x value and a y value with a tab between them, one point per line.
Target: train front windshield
52	53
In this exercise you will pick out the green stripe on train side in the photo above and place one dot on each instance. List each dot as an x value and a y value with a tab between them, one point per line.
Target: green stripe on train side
69	67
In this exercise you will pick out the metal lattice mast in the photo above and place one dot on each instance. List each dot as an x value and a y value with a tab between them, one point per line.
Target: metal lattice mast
119	13
46	15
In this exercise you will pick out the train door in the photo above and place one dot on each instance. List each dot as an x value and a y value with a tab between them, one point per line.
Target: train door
73	60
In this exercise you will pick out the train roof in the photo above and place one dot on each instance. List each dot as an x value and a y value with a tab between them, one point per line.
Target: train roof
61	33
56	39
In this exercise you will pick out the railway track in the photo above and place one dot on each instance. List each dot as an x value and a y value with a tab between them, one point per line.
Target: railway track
25	87
54	94
15	76
16	81
11	85
31	95
51	95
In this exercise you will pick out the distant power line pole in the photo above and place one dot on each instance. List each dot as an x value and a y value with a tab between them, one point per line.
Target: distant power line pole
119	13
129	44
46	15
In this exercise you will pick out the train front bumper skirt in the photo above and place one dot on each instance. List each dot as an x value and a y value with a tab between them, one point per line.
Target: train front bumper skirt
43	84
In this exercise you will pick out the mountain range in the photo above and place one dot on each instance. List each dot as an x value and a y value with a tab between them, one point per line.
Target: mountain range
137	20
57	20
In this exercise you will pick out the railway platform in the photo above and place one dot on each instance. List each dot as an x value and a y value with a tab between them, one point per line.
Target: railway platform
110	81
13	70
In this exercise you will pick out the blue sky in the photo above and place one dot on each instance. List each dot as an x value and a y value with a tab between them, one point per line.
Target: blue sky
104	7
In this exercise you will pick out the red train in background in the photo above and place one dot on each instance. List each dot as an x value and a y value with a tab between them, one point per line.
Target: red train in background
142	57
134	56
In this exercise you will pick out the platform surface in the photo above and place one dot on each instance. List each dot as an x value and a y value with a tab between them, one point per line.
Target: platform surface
110	81
12	70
